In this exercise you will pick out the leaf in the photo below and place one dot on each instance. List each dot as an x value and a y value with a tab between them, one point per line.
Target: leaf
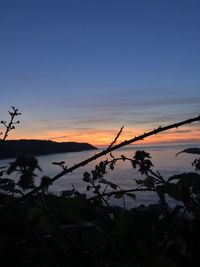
194	150
138	181
174	191
190	179
86	177
123	157
112	185
119	194
134	164
149	182
141	155
131	195
88	188
61	163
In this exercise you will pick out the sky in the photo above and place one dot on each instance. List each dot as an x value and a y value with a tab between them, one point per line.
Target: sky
80	69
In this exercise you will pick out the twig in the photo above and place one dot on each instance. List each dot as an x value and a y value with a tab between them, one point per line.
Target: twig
117	136
10	126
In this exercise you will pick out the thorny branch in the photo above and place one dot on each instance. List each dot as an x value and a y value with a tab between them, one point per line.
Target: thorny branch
117	136
106	151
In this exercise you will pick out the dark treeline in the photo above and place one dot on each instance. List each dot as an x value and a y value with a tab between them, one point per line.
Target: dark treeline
12	148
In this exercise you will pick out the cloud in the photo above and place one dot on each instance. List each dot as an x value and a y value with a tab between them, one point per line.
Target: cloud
133	107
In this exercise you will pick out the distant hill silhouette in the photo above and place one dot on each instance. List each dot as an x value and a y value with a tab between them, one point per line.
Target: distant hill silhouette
12	148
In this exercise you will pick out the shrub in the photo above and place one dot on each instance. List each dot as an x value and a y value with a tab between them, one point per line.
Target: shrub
74	229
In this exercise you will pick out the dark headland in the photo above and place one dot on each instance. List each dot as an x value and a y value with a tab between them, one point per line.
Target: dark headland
12	148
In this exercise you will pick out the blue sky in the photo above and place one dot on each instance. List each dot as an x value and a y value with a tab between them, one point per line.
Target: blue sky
79	67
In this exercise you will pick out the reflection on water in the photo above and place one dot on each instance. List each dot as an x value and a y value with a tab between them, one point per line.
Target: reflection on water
163	158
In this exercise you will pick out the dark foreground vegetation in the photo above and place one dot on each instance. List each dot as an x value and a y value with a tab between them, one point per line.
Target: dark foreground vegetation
13	148
41	229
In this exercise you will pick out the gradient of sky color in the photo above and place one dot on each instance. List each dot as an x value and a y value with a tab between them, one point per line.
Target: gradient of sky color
80	69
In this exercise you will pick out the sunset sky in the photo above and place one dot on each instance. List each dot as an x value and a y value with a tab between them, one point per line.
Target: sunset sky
80	69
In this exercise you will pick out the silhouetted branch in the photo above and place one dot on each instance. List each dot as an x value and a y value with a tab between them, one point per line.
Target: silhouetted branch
108	150
117	136
10	125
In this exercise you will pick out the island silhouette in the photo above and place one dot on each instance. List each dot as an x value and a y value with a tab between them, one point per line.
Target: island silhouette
13	148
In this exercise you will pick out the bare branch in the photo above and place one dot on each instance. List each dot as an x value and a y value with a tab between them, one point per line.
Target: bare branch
117	136
10	125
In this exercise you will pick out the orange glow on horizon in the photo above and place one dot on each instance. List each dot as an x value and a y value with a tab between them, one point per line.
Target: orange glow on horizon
101	137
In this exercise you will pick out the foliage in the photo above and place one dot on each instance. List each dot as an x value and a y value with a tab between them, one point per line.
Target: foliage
74	229
25	165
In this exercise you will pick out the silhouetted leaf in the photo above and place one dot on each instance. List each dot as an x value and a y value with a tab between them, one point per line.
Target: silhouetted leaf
58	163
131	195
149	182
174	191
138	181
141	155
193	150
119	194
112	185
190	179
86	177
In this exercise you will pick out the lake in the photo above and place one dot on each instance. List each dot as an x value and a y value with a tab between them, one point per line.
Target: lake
163	158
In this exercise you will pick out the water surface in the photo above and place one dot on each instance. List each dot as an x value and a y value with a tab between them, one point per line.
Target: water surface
163	157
